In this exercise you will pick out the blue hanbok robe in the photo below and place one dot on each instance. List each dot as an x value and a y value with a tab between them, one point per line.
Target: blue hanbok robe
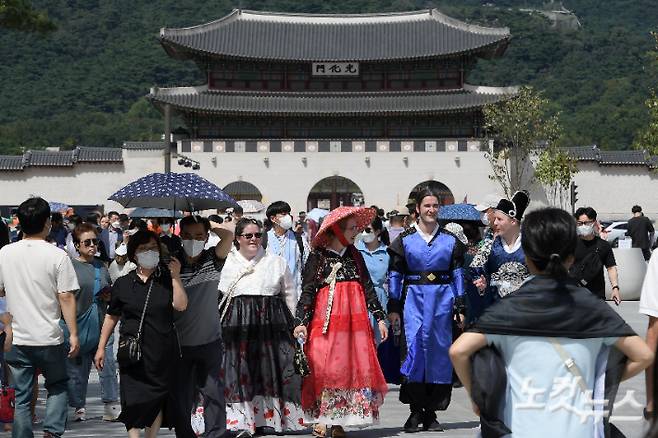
505	271
426	303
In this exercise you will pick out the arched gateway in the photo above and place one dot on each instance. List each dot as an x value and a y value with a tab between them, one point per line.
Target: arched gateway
334	191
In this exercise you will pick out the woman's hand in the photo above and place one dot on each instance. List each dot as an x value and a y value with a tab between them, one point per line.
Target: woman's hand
383	330
99	359
481	283
174	267
300	331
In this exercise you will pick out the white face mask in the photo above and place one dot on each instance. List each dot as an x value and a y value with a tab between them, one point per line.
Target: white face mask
585	230
193	247
116	225
148	259
286	222
368	237
165	228
485	219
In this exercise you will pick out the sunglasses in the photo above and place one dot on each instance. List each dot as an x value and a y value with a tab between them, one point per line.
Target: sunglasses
89	242
250	236
367	230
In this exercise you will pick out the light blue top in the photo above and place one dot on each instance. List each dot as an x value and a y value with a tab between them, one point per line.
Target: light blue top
377	264
558	407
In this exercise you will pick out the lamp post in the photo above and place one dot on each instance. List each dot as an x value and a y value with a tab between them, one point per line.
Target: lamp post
167	138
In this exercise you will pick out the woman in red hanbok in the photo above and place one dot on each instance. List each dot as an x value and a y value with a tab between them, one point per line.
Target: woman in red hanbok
346	386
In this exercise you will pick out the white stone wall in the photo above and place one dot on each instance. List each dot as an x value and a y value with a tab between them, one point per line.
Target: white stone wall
386	181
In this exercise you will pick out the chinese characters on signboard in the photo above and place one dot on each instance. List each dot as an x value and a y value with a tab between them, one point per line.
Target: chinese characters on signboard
335	69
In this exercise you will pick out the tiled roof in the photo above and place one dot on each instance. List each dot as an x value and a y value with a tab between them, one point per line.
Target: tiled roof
45	158
96	155
323	37
11	162
318	103
143	145
613	158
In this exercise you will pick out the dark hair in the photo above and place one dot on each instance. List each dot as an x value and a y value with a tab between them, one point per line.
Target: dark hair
238	209
378	225
33	215
124	217
75	219
275	208
422	194
548	238
56	217
93	218
636	209
241	224
191	220
82	228
587	211
113	213
215	218
140	238
140	224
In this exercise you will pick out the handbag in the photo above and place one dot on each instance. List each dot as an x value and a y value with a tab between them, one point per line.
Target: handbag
130	347
300	362
7	402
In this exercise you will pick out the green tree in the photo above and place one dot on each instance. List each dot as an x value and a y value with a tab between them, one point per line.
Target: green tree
19	15
647	139
518	126
555	170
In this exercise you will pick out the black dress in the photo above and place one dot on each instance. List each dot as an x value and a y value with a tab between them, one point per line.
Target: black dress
145	387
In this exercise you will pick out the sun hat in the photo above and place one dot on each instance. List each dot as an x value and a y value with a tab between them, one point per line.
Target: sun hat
363	216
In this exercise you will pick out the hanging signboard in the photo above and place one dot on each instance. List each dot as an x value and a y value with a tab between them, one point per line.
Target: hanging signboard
335	69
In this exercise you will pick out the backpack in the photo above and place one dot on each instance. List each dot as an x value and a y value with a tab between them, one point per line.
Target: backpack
587	269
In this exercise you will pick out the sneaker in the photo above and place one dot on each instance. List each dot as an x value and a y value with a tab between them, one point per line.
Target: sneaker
80	414
112	412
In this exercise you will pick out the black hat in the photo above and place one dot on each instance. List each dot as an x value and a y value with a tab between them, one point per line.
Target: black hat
515	207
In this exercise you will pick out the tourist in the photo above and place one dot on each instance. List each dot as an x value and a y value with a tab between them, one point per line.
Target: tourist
397	224
112	234
237	213
171	241
104	222
649	307
427	264
72	222
487	209
121	266
499	265
146	298
94	280
39	293
591	255
281	240
537	333
199	327
641	231
259	295
332	314
58	232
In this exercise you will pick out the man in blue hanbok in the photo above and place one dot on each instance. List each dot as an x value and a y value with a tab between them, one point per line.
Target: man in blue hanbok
426	286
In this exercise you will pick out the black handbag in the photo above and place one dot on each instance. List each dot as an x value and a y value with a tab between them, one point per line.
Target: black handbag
130	347
300	362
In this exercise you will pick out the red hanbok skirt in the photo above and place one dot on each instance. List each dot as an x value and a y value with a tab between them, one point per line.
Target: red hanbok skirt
346	386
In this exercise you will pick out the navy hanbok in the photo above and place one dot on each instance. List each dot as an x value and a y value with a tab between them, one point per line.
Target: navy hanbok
426	283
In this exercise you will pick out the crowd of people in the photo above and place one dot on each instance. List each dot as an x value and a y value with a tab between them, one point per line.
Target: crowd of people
284	325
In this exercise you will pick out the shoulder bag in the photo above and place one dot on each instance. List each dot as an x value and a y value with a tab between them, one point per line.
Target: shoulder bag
130	347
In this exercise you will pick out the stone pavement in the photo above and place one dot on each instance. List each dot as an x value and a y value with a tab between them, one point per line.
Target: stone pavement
458	420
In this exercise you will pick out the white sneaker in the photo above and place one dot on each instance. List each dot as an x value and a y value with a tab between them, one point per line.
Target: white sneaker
112	412
80	414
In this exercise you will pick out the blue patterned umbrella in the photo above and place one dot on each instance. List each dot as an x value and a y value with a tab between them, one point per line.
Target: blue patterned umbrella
58	206
459	212
154	212
173	191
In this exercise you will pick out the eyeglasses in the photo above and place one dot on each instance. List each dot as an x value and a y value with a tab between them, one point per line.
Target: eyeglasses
89	242
250	236
367	230
584	223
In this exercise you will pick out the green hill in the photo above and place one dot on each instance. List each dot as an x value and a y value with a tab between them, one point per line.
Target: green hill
84	83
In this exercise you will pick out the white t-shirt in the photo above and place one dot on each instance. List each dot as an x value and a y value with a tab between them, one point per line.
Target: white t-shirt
649	296
32	273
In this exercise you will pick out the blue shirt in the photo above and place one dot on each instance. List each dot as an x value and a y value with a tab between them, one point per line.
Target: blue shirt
539	403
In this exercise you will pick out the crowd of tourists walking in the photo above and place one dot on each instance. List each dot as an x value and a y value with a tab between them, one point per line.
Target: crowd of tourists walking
230	325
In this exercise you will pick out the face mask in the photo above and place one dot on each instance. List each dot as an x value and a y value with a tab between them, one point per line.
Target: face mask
368	237
286	222
193	247
148	259
165	228
585	230
116	225
484	219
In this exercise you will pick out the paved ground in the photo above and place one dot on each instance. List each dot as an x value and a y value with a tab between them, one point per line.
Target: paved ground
458	420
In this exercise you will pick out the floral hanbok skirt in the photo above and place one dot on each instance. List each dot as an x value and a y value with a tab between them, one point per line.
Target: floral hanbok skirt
262	389
346	386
